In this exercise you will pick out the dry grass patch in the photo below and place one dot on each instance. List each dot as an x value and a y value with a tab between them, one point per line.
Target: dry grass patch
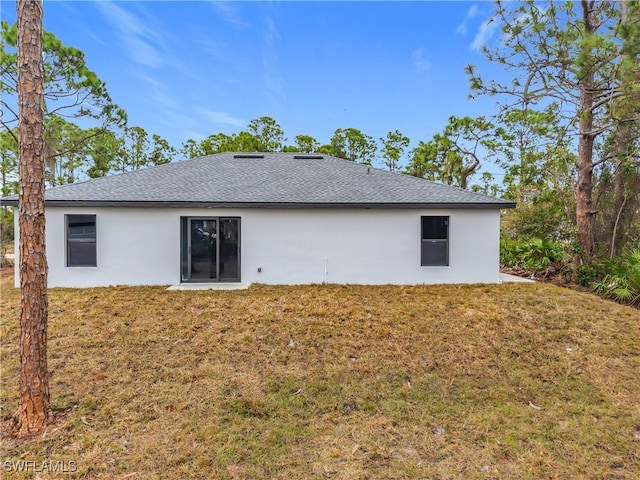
335	382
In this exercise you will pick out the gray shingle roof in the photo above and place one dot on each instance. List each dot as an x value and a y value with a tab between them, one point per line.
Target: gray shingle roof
278	179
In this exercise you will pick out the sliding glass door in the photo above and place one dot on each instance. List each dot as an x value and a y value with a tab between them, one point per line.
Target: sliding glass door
210	249
229	250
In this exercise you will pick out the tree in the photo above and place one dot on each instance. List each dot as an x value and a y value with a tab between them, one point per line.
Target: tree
268	133
216	143
567	53
532	142
617	191
352	144
134	151
487	185
623	143
262	135
539	171
34	410
306	144
327	149
455	155
64	157
8	163
103	152
221	142
161	151
393	147
9	177
71	91
248	142
192	149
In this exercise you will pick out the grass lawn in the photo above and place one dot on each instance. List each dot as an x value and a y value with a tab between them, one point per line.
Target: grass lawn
512	381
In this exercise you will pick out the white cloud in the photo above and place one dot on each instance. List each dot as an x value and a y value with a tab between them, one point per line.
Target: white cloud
217	49
270	73
223	118
420	63
138	39
462	28
472	12
159	94
484	34
229	13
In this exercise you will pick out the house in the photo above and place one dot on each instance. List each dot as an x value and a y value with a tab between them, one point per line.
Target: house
275	218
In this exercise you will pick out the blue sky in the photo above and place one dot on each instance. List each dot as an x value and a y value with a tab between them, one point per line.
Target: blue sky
189	69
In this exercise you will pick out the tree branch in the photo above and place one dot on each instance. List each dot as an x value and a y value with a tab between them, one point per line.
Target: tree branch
15	137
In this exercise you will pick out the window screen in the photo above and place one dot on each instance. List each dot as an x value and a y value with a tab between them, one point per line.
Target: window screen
81	241
435	241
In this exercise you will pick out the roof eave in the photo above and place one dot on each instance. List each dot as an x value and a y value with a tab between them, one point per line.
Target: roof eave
174	204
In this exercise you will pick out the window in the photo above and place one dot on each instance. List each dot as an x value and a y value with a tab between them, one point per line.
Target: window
435	242
81	241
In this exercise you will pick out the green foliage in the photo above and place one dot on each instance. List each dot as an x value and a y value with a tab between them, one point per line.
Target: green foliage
6	227
74	95
585	274
263	134
352	144
393	147
617	190
487	185
161	152
535	152
576	65
306	143
454	156
192	149
135	150
622	280
65	143
74	153
543	215
551	49
72	90
629	70
8	163
268	133
103	149
326	150
535	254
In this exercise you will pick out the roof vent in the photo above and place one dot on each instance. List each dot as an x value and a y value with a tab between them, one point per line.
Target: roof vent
248	155
308	157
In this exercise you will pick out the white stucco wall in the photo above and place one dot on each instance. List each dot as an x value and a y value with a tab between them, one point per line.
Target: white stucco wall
141	246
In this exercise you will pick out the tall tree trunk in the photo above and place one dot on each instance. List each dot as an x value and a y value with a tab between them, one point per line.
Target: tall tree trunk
626	136
34	411
584	185
619	189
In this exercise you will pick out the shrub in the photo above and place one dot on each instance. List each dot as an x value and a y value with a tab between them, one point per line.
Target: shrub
535	254
510	252
585	275
622	281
